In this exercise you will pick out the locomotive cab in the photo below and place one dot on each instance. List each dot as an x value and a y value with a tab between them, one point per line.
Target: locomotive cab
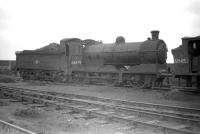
194	55
187	61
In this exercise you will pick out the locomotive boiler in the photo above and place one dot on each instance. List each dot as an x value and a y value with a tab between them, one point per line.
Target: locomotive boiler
122	53
136	63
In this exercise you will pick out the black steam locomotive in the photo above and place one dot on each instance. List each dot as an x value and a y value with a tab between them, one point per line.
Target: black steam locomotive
187	62
136	63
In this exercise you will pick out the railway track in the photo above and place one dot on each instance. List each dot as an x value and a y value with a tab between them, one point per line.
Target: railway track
191	90
162	118
7	128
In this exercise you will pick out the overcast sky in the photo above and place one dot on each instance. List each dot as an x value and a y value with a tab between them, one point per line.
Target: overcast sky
31	24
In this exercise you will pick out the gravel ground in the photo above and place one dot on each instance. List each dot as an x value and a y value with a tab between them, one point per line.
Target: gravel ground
174	98
51	121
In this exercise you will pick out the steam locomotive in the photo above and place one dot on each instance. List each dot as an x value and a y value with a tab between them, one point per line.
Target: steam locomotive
187	62
137	63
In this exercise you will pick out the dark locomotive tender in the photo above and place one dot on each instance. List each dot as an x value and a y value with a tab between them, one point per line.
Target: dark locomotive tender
7	65
136	63
187	61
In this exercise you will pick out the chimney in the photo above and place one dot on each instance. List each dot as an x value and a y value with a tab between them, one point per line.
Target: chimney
155	35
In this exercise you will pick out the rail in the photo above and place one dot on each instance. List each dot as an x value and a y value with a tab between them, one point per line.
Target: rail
8	128
149	115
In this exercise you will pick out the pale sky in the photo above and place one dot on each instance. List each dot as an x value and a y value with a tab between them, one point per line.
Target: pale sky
31	24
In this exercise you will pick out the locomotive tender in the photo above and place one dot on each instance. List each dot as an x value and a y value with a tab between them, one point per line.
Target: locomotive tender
7	65
138	63
187	61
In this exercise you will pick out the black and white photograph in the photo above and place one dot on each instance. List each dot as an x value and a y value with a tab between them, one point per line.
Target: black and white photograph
99	66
